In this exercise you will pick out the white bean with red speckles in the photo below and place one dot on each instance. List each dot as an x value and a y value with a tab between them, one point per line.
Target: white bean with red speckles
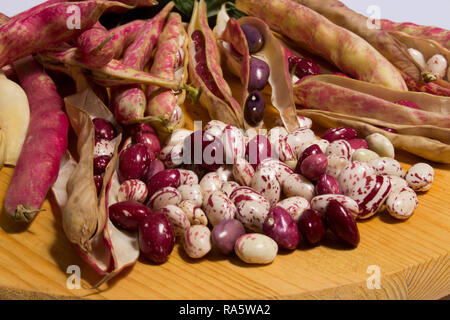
299	138
397	183
197	241
381	145
278	140
188	177
352	173
229	186
225	172
295	206
163	197
193	212
252	208
177	218
370	194
340	148
233	141
215	127
335	165
320	203
133	189
210	182
265	182
243	171
298	186
420	177
103	147
218	207
402	203
256	248
387	166
192	193
364	155
437	65
282	170
171	156
178	136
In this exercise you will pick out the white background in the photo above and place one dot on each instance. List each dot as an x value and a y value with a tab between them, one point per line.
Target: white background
426	12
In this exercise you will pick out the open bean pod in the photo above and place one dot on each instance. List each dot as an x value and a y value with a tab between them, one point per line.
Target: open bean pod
235	49
205	71
85	215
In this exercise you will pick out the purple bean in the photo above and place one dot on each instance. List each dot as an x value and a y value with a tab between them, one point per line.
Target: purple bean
314	166
281	227
312	149
225	234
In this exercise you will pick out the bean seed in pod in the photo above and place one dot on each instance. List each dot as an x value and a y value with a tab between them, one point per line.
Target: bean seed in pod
103	129
312	149
342	223
150	140
341	133
98	179
166	178
254	108
156	238
255	39
388	129
204	149
128	214
314	166
100	164
225	234
134	162
327	184
303	67
258	149
259	74
281	227
131	130
311	226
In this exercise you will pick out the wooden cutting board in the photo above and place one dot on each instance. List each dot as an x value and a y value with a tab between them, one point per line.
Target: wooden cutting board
410	257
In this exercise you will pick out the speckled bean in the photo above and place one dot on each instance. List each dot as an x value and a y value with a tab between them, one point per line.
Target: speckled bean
265	182
370	194
210	182
340	148
256	248
352	173
297	185
197	241
397	183
192	193
132	189
282	170
229	186
402	203
193	212
163	197
320	203
177	218
225	172
233	141
299	138
252	207
295	206
335	165
387	166
243	171
364	155
177	137
188	177
218	207
420	177
172	156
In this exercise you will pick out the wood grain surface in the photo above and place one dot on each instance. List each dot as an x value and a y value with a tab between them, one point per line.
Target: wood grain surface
412	257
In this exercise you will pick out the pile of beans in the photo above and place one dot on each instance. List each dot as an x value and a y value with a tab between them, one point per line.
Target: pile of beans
254	194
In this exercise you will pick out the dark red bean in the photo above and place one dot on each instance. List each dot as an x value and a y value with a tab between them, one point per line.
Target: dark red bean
314	166
100	164
156	238
254	108
103	129
342	223
327	184
154	167
134	162
131	130
98	179
281	227
150	140
311	226
341	133
303	67
128	214
312	149
162	179
388	129
225	234
358	144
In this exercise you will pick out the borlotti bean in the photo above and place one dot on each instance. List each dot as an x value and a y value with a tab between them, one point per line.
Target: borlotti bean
352	173
177	137
215	127
335	165
243	171
387	166
188	177
172	156
177	218
437	65
233	141
278	140
320	203
265	182
192	193
370	194
229	186
225	172
163	197
298	139
297	185
295	206
364	155
193	212
210	182
420	177
103	147
402	203
197	241
132	189
252	208
340	148
322	143
282	170
397	183
218	207
381	145
256	248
